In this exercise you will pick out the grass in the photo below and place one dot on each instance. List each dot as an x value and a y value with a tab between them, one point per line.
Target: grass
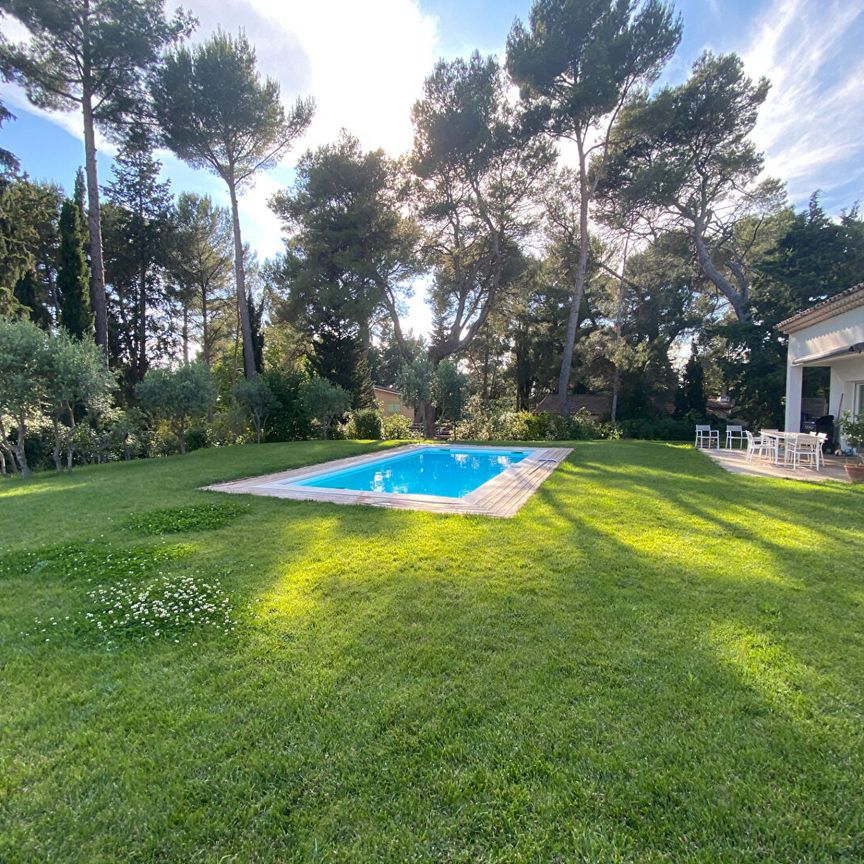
654	662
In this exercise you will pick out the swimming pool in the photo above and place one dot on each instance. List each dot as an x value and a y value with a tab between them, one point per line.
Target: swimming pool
470	479
451	472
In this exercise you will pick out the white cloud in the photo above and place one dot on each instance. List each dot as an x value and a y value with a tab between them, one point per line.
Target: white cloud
364	61
810	126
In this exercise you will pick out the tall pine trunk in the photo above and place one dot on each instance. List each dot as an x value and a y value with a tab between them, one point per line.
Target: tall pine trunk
94	223
578	290
619	314
240	280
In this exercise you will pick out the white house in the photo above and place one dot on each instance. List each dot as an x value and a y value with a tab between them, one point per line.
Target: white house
830	334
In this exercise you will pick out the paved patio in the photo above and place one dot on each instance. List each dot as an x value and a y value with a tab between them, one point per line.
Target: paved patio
735	461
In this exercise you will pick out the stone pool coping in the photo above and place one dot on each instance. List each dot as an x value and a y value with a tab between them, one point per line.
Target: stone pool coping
502	496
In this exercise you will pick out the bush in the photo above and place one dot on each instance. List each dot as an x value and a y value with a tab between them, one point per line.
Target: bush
290	421
196	438
396	427
483	423
657	429
366	424
163	442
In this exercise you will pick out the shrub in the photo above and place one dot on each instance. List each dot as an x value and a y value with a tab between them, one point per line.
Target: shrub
654	429
229	426
366	424
290	421
196	438
396	427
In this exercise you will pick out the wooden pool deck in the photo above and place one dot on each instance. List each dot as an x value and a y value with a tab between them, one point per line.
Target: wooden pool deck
502	496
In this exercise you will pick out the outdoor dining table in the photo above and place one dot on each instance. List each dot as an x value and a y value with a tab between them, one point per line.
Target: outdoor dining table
780	438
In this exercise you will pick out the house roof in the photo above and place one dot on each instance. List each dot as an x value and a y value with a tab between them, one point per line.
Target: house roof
851	298
596	404
387	389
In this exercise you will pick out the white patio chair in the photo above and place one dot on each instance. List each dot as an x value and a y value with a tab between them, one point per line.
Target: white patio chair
802	447
735	434
705	435
820	438
758	446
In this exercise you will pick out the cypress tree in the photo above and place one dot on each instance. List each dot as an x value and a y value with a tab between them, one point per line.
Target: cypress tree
73	274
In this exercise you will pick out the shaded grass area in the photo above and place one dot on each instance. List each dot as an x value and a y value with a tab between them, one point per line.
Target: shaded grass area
654	661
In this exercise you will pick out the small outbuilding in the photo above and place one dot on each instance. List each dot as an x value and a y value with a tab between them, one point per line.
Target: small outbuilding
829	334
391	402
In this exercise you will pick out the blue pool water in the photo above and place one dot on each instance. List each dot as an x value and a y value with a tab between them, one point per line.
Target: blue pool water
449	472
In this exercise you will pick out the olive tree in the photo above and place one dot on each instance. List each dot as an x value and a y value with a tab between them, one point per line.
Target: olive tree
177	396
258	400
75	376
22	383
325	402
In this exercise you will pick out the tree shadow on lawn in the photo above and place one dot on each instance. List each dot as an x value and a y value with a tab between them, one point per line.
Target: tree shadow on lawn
427	687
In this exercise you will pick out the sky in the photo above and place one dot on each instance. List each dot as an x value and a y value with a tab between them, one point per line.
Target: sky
364	62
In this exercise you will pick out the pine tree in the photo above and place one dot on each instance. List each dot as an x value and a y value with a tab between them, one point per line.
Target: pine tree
137	224
690	400
73	274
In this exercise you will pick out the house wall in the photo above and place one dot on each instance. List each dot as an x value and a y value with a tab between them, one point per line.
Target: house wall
833	334
391	403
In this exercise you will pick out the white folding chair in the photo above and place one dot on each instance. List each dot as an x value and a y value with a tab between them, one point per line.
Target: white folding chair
707	437
735	434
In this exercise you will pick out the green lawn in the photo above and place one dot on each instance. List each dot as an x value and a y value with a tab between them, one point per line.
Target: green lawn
655	661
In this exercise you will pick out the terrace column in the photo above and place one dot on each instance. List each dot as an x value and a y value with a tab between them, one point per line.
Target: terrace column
794	382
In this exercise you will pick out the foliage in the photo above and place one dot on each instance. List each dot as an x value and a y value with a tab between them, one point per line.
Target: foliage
658	429
366	424
690	399
291	420
199	262
325	402
852	429
177	396
576	65
396	427
22	383
194	517
75	378
258	400
137	223
683	158
435	389
92	57
28	241
216	113
474	169
73	274
484	424
349	251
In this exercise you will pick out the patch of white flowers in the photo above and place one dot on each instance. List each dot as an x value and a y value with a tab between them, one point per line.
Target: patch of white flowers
160	609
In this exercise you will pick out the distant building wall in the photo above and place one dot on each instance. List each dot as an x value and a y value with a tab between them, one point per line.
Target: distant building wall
391	402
